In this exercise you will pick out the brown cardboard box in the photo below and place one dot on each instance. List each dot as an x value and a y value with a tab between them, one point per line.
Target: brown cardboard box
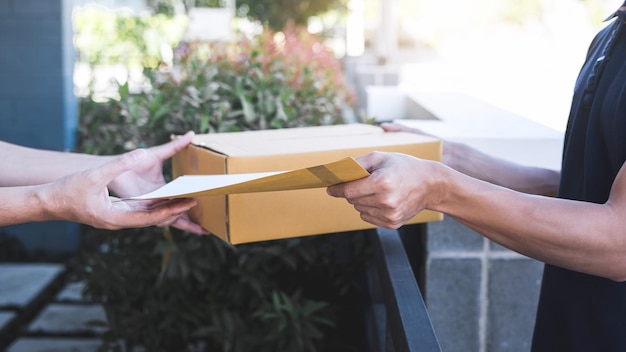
242	218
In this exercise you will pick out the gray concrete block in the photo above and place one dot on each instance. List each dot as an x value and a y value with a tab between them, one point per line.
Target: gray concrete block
494	247
5	319
55	345
21	283
453	301
66	319
514	286
73	292
450	235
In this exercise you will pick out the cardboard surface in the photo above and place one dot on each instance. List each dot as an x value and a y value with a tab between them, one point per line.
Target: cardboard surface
251	217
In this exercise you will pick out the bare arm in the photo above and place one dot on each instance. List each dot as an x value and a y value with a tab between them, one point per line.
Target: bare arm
23	167
83	197
580	236
472	162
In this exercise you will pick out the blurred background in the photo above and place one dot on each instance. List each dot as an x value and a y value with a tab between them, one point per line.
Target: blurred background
520	55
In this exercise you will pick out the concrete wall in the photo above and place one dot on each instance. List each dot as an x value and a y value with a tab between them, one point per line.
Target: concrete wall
37	104
480	296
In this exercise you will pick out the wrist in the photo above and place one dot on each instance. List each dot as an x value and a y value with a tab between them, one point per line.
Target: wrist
454	154
45	202
440	186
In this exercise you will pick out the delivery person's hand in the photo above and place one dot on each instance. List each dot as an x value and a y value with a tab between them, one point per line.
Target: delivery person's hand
399	187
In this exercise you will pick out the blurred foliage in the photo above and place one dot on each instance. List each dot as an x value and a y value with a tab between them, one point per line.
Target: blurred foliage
174	291
271	81
118	37
272	13
169	7
166	290
277	13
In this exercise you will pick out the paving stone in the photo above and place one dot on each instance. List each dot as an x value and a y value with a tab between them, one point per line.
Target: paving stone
76	319
5	319
71	293
32	344
21	283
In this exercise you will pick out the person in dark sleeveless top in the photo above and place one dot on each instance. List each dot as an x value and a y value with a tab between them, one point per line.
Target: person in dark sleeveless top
573	220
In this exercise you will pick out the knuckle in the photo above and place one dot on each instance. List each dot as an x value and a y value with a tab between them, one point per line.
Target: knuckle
350	194
91	177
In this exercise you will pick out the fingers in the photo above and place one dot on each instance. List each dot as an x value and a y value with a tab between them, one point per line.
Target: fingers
350	190
184	223
396	127
370	161
391	127
137	215
104	174
167	150
362	187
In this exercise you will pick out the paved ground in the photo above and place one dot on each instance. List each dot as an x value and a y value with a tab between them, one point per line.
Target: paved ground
41	311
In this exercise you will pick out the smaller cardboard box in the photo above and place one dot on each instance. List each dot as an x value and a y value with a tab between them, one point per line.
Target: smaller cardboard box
243	218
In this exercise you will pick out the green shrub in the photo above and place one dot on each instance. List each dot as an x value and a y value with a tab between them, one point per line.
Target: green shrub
276	80
170	291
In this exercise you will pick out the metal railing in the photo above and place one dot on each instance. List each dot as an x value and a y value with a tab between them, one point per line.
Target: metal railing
397	319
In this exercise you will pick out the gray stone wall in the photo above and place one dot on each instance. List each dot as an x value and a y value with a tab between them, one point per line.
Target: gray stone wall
480	296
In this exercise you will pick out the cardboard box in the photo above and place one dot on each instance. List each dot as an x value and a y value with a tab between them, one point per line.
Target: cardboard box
242	218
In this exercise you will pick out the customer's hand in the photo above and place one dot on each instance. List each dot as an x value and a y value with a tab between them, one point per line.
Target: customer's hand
83	197
148	175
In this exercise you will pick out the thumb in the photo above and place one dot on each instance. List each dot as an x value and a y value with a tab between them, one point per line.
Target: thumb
118	165
371	161
167	150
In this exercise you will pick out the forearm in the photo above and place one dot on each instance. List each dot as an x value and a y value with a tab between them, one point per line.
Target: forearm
580	236
474	163
23	166
22	204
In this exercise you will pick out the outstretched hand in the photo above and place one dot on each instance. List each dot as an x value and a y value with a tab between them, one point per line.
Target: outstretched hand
147	176
83	197
399	187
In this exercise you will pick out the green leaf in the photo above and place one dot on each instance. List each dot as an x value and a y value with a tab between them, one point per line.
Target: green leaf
248	109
